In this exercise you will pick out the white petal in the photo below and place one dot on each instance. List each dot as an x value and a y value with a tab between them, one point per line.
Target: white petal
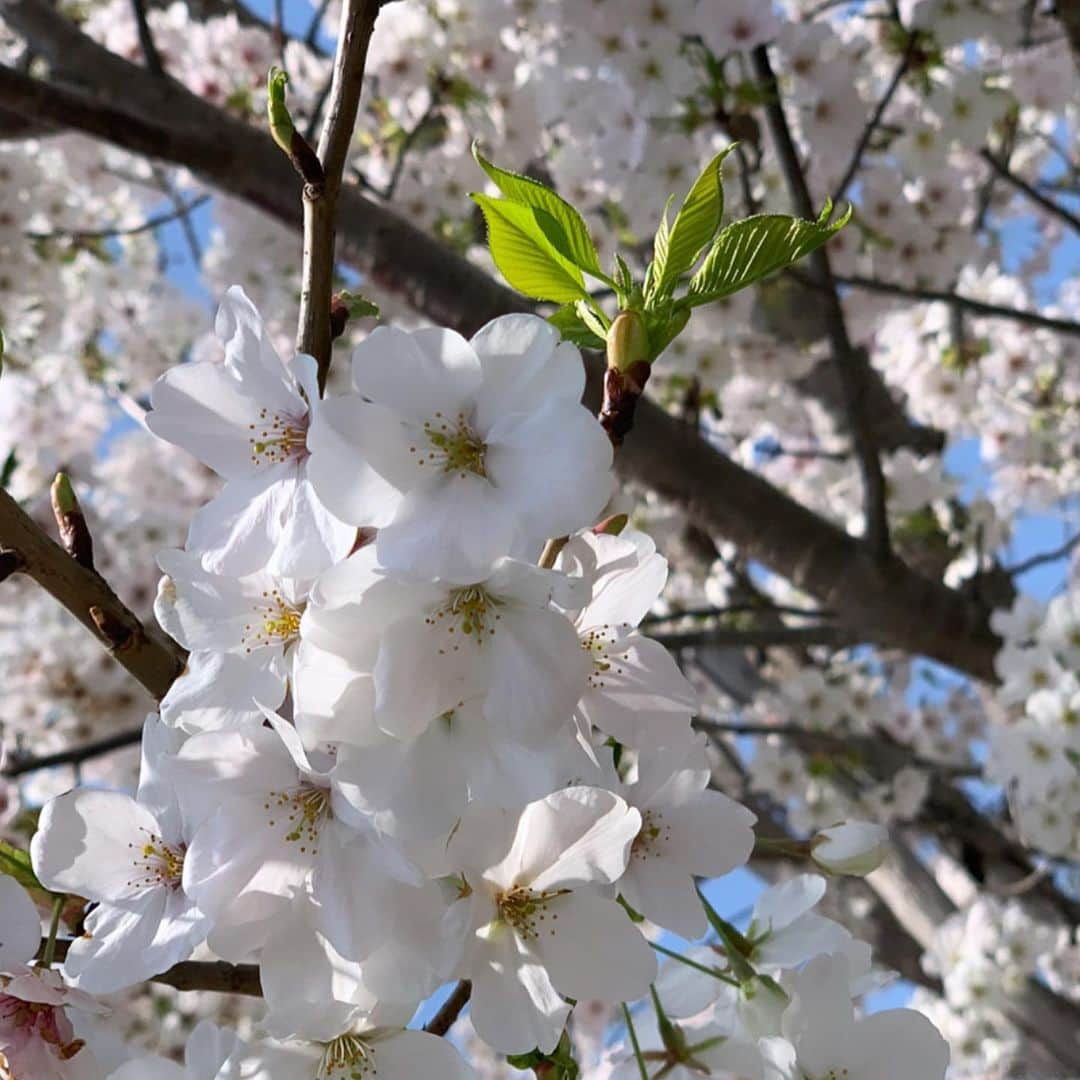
553	466
537	668
665	894
524	362
710	834
126	945
406	704
204	409
416	373
784	903
20	925
627	574
147	1068
360	460
642	698
236	532
88	843
453	526
410	1055
514	1006
311	991
594	950
579	835
251	356
219	690
312	538
208	1046
894	1045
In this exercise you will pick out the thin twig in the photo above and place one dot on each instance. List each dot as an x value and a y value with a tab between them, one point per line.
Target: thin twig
146	40
892	754
312	36
761	637
408	143
850	362
320	202
875	119
1061	552
183	212
444	1019
20	766
215	976
1036	196
735	609
107	233
968	303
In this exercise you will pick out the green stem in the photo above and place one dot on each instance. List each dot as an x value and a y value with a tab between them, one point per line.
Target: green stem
634	1043
54	927
694	964
735	945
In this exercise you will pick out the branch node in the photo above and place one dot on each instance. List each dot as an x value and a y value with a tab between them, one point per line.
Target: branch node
70	520
117	635
11	562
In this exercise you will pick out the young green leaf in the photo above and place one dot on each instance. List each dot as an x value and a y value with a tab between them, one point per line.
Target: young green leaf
751	249
677	248
16	863
518	237
574	329
571	239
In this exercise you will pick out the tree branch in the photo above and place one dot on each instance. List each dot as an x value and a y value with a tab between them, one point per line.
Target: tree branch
891	604
152	658
444	1019
836	637
968	303
851	363
216	976
108	232
1062	552
320	201
1036	196
146	40
875	119
20	766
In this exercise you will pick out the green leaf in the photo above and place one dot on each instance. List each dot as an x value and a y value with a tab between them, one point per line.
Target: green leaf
520	245
751	249
359	307
595	320
678	248
573	328
16	864
570	236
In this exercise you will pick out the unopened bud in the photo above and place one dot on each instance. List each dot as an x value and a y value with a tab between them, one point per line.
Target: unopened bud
627	341
855	847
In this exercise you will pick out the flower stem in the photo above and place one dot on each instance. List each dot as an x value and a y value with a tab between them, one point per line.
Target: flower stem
634	1043
694	964
54	927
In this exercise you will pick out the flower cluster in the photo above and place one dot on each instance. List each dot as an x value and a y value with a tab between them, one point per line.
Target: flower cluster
402	752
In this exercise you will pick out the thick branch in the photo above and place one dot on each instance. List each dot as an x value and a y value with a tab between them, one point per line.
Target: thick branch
889	604
151	657
851	364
